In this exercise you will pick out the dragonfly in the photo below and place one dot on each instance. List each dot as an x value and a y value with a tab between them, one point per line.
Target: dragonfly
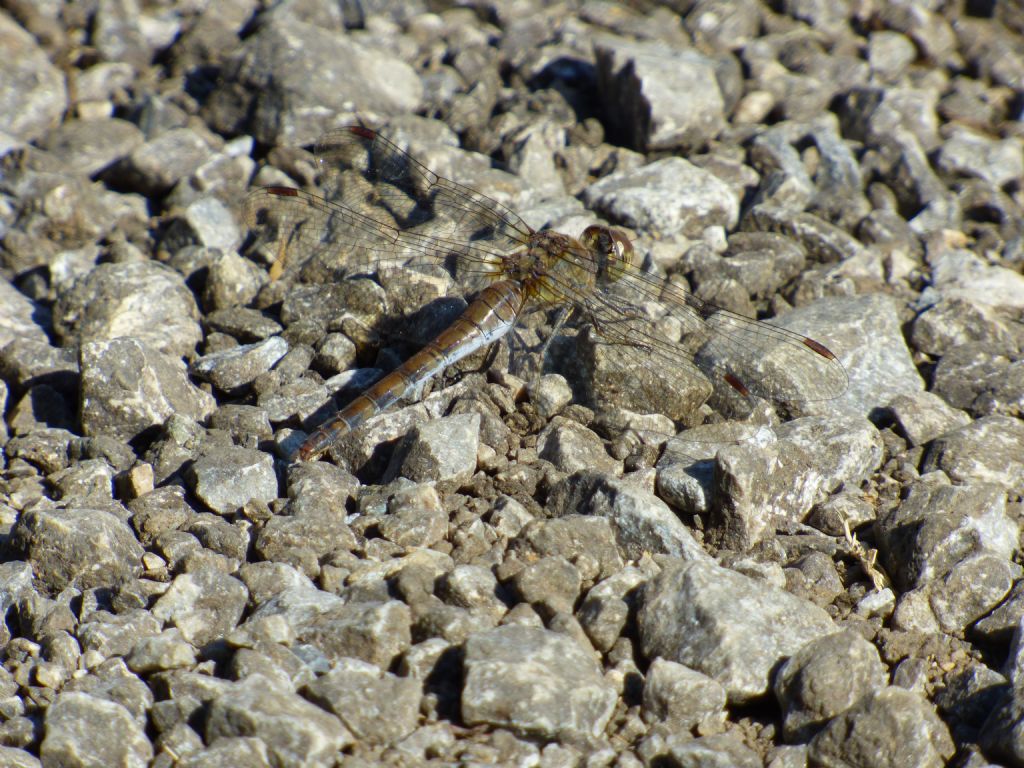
383	207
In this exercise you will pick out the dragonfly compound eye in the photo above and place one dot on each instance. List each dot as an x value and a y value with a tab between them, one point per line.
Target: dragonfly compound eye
620	255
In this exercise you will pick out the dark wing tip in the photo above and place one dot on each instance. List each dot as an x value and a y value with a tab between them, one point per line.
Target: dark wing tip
365	133
736	384
820	348
282	191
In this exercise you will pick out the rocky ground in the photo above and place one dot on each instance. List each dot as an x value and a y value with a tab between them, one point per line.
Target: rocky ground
499	574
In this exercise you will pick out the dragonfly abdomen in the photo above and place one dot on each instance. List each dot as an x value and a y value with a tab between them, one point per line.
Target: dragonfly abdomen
483	322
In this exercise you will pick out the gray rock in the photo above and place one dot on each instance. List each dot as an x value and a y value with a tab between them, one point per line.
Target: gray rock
19	332
32	97
887	727
77	734
90	480
968	153
292	99
244	324
474	588
156	166
204	605
208	222
91	146
376	706
552	583
145	300
534	682
231	280
302	538
955	321
607	607
786	184
335	352
571	447
641	521
77	547
972	588
18	758
376	632
237	752
939	525
989	450
760	261
247	424
725	625
113	681
865	333
980	379
116	634
762	486
724	749
657	96
234	368
961	274
294	731
266	579
923	416
681	697
225	479
416	517
823	679
614	378
442	451
1000	734
158	653
129	387
532	157
666	197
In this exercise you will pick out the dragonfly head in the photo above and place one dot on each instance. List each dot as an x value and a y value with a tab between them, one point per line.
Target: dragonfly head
612	251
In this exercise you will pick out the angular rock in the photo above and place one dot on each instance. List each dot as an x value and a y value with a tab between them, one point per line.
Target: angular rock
887	727
659	97
78	728
291	99
204	605
535	682
641	521
607	607
294	731
376	706
682	698
32	92
923	416
725	625
226	479
762	486
376	632
823	679
442	451
129	387
156	166
667	197
416	518
989	450
146	300
76	547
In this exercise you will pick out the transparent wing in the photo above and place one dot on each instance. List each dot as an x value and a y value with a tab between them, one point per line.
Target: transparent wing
663	342
381	206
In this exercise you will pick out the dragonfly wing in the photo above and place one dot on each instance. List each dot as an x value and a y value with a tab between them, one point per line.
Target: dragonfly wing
678	341
383	207
416	197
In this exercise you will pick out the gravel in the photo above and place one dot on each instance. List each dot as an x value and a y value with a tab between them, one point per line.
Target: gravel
580	560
